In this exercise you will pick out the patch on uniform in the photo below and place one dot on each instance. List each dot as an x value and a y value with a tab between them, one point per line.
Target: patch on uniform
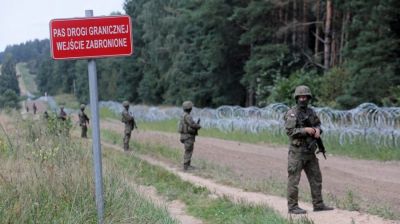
292	115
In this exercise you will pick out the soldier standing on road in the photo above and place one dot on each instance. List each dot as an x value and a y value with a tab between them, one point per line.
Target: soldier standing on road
188	130
83	121
130	124
45	115
34	108
64	124
62	115
303	126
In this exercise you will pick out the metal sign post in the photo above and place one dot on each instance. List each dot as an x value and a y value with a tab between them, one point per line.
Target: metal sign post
92	37
94	107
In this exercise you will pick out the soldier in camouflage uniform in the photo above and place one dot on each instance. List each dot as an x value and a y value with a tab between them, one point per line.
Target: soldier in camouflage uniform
83	121
34	108
45	115
62	115
130	124
303	126
188	130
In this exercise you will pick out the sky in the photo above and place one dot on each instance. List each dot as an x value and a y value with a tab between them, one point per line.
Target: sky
23	20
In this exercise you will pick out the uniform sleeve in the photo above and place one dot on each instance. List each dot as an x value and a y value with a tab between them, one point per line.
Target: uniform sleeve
189	121
315	121
290	126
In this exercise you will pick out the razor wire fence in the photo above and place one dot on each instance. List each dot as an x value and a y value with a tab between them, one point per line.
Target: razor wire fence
375	125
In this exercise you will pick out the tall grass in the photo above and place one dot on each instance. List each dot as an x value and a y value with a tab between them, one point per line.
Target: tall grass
47	178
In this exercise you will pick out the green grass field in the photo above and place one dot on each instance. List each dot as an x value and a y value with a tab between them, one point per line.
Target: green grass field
46	178
67	100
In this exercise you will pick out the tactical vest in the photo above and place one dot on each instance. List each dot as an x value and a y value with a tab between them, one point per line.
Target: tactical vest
304	119
182	126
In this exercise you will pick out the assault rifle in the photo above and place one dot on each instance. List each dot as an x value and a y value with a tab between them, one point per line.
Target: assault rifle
318	141
320	144
197	130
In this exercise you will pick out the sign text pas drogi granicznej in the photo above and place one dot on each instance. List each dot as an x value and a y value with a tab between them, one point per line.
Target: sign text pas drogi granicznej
91	37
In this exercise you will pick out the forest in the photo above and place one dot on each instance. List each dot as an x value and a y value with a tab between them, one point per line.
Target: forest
237	52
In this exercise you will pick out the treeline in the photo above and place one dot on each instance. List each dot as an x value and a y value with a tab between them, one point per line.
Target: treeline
244	52
9	89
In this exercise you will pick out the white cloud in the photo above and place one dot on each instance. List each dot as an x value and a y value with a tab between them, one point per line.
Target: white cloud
23	20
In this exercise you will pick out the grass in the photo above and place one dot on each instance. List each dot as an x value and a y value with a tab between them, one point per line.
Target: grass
198	200
358	149
28	78
349	201
47	178
105	113
67	100
206	169
172	126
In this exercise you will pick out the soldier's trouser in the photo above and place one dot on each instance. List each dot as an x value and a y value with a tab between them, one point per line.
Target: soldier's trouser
313	173
127	136
84	131
188	144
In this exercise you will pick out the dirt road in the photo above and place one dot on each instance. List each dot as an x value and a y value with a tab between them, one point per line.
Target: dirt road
375	182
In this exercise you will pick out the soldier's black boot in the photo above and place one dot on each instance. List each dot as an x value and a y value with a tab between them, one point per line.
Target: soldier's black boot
190	167
126	147
186	166
322	208
297	210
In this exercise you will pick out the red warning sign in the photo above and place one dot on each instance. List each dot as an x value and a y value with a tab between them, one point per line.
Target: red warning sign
91	37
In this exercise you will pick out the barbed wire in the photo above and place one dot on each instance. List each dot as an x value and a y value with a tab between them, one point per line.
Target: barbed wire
375	125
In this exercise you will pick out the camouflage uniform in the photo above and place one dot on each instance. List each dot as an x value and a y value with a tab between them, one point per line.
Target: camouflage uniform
130	124
64	125
34	108
83	121
45	115
188	130
301	155
62	115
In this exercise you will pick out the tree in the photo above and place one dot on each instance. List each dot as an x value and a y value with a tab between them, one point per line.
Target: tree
9	99
9	89
372	52
8	78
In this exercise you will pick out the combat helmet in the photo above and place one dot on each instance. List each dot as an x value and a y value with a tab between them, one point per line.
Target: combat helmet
187	105
125	103
302	91
83	106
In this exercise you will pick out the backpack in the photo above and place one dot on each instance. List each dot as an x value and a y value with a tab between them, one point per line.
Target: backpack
182	126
